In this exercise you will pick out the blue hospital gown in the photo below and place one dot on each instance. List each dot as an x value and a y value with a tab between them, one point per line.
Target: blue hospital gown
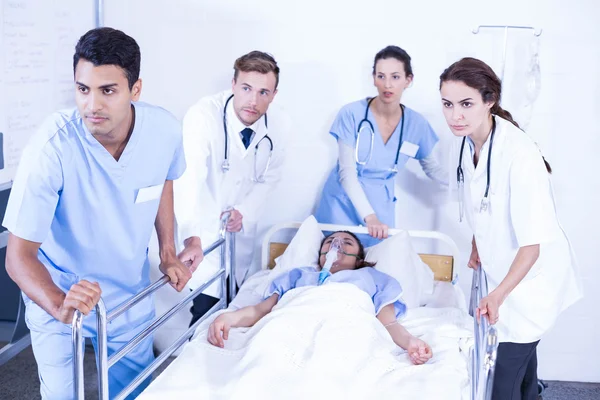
382	288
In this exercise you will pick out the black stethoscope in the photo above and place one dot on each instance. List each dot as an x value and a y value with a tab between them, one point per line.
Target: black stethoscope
366	121
460	176
225	165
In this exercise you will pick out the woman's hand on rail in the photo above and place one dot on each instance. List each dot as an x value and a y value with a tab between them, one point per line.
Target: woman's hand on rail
489	306
179	274
82	296
192	255
418	351
218	331
474	261
377	229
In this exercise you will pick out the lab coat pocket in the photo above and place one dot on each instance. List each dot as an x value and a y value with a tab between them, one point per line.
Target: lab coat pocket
498	202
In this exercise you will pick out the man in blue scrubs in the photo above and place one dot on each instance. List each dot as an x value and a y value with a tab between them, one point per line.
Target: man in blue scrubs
91	184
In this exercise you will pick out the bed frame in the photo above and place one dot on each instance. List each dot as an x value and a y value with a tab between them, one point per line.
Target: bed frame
483	353
226	242
482	356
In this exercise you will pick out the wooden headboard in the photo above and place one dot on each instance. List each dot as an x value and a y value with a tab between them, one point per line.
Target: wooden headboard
442	266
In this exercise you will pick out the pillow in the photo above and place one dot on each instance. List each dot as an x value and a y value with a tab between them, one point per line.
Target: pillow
302	251
396	257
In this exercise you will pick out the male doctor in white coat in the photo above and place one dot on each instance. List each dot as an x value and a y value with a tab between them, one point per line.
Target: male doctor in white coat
234	160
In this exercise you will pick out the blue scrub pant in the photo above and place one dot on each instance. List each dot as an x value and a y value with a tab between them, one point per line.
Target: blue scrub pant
52	347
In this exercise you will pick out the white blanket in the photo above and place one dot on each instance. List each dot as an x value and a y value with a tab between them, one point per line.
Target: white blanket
323	342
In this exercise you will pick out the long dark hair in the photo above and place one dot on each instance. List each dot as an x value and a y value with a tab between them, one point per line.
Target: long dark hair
480	76
360	257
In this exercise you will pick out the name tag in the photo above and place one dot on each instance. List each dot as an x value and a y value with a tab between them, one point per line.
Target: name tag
410	149
149	193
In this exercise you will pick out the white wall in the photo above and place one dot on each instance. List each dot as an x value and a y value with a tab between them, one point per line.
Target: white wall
325	50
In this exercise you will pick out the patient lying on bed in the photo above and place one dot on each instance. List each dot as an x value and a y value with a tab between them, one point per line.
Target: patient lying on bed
350	267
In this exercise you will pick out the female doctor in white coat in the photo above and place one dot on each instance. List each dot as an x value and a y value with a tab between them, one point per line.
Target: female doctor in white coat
506	193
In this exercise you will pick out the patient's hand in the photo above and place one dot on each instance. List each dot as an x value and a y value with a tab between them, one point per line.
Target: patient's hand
218	331
418	351
244	317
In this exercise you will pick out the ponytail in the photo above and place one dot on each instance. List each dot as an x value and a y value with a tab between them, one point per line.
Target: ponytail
547	164
502	113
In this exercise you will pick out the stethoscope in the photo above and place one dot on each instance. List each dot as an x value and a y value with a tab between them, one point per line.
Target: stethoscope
460	177
365	122
225	165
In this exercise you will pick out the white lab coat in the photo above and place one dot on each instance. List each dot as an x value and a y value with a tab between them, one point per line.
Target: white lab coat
205	191
521	212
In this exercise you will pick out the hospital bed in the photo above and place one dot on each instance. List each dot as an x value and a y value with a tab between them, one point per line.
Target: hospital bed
479	363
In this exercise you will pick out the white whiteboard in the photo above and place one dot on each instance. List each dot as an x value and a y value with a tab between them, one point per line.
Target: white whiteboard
37	42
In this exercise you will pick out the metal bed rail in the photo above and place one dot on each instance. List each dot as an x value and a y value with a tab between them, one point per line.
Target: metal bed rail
484	351
226	245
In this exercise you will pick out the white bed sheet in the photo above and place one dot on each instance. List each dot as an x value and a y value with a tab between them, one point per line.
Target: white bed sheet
204	371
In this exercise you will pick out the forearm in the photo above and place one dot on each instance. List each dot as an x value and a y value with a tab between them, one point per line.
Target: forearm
524	260
349	180
165	223
357	196
248	316
399	334
434	170
33	279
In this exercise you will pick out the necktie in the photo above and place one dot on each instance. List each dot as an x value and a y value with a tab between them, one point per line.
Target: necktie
247	136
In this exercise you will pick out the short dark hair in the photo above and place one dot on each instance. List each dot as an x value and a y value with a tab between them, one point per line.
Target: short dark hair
397	53
256	61
108	46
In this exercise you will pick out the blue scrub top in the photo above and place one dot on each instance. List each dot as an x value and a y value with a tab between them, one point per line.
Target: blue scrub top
375	177
382	288
74	198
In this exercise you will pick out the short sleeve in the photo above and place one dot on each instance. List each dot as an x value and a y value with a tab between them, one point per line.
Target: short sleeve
387	291
178	163
284	283
344	126
427	139
532	210
35	193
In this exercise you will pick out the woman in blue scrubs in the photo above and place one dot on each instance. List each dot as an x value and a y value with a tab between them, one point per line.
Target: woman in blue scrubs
360	189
